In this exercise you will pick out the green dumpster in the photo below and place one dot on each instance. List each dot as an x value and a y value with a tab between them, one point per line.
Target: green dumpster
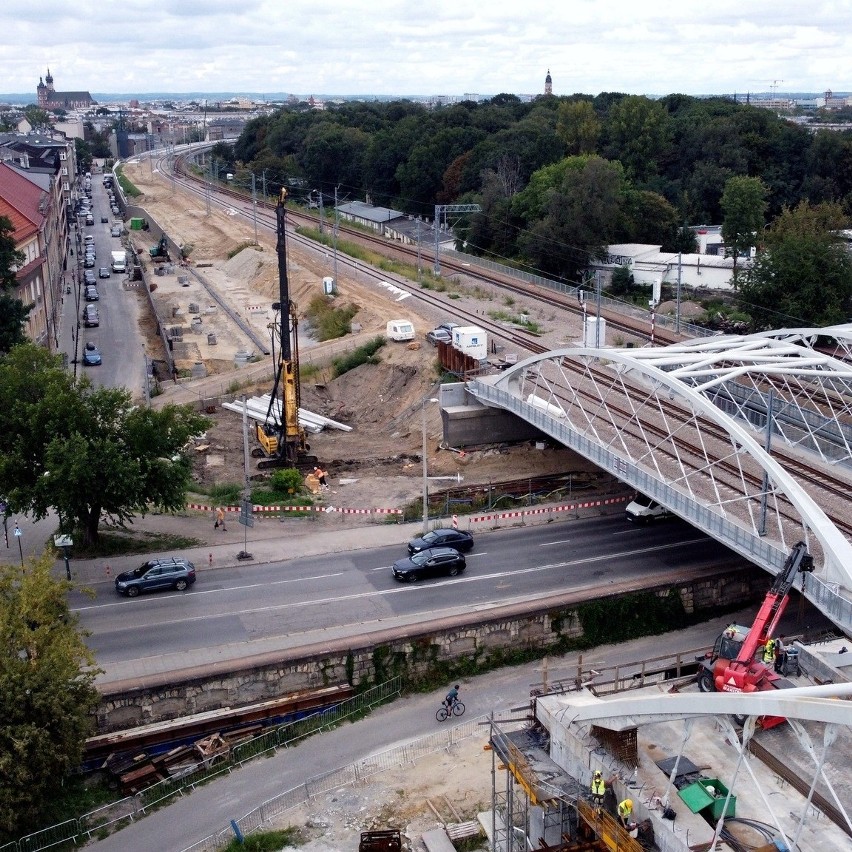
136	223
708	794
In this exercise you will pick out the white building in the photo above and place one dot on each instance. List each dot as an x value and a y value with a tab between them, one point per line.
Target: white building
648	264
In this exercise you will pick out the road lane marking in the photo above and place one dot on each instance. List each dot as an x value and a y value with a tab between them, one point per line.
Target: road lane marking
415	587
551	543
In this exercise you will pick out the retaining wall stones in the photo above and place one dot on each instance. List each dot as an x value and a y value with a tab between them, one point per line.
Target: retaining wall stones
418	653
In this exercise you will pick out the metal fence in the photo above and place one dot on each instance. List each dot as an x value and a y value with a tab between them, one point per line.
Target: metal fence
108	818
404	755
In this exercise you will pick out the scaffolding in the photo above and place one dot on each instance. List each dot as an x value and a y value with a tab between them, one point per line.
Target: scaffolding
536	805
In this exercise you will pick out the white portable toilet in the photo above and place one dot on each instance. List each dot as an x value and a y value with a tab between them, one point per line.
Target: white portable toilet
328	285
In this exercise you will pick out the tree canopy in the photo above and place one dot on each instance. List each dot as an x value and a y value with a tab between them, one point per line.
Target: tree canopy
804	274
47	694
86	452
744	205
13	312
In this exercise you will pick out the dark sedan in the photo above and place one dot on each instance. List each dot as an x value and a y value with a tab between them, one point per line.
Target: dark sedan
91	355
434	562
460	540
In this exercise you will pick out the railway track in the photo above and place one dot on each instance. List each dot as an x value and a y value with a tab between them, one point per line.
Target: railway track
818	479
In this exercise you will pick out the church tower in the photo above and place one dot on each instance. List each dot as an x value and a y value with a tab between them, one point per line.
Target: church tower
548	83
41	93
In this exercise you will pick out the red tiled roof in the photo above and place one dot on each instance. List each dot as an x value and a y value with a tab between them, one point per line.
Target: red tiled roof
22	196
23	227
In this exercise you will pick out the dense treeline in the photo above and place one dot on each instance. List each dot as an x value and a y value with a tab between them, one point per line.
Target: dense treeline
558	177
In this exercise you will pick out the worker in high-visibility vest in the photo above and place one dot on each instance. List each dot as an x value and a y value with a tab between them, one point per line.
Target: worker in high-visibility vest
598	790
769	652
625	812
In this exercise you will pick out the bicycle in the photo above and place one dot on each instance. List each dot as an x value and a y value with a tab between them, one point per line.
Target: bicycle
443	712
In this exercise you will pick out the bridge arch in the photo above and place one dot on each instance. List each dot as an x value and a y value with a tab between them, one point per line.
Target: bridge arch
691	425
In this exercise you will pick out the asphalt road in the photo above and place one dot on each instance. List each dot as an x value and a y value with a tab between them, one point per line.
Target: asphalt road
118	336
295	600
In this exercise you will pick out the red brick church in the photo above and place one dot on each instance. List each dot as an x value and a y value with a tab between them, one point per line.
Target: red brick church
49	98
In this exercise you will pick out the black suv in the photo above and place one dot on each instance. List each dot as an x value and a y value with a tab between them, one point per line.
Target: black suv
169	573
460	540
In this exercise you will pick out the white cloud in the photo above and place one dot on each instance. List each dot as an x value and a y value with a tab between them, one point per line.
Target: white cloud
401	47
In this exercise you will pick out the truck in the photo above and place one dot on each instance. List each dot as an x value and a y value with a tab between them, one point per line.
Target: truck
119	261
731	665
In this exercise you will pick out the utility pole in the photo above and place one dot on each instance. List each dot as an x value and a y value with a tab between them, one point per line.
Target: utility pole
336	220
321	213
207	193
677	312
254	205
598	322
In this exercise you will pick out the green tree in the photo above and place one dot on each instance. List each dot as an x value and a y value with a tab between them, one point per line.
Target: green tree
804	275
36	116
578	126
639	133
743	208
574	208
13	312
88	453
47	694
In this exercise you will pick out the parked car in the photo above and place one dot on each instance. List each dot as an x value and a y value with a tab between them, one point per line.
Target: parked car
438	335
170	573
91	317
103	272
89	261
434	562
460	540
448	327
91	355
92	294
115	231
115	210
89	277
104	220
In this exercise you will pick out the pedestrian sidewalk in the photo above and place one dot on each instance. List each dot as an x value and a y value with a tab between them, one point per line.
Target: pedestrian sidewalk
271	539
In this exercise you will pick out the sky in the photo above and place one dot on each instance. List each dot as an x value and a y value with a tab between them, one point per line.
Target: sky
431	47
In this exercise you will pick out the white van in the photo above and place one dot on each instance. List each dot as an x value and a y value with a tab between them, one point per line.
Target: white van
643	510
400	330
119	261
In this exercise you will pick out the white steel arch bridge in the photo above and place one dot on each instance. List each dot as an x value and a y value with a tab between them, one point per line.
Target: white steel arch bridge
747	437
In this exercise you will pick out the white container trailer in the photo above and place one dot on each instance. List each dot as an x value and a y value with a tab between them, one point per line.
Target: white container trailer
472	340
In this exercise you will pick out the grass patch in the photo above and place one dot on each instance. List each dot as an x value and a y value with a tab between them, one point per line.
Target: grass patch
128	188
268	841
115	541
241	246
226	493
521	320
328	321
362	355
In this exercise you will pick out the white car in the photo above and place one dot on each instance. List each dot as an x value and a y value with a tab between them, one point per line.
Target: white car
644	510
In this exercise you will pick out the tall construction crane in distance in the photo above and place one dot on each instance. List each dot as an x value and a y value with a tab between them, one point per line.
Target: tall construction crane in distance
281	438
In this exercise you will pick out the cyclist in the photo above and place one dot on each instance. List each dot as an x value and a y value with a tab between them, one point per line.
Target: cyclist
452	697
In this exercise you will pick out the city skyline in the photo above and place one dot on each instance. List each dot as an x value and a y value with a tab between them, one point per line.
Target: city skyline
403	49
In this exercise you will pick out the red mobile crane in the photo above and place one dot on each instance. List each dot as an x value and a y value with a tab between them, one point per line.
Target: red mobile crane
731	665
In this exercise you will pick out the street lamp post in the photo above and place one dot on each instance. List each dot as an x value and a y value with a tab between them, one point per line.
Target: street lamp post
19	536
425	465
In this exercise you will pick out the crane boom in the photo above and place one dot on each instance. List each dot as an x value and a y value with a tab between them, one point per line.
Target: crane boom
282	440
775	602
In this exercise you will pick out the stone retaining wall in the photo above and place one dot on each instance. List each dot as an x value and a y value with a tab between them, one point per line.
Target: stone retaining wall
417	653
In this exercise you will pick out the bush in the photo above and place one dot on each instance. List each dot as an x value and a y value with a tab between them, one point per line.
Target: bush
287	481
362	355
328	321
226	493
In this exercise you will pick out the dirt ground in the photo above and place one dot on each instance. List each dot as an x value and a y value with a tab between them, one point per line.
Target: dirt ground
400	799
377	464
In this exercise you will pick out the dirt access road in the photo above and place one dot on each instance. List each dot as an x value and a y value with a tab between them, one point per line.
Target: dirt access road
376	465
